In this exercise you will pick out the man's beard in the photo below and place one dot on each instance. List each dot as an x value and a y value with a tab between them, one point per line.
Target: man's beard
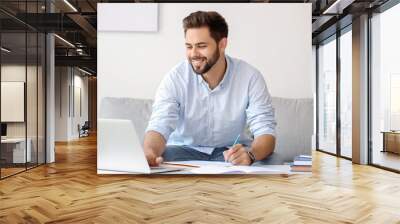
209	63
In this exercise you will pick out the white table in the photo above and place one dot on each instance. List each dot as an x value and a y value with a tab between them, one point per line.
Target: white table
19	155
282	169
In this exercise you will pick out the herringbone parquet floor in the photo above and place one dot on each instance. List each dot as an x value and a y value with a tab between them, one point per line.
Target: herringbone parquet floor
70	191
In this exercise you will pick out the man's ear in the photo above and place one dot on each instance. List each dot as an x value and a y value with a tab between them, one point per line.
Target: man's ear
223	43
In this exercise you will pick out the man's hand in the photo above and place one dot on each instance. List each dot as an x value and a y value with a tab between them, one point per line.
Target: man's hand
237	155
152	158
154	146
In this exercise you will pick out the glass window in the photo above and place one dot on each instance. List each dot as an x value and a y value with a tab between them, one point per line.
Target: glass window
327	96
385	87
14	153
346	94
31	101
395	101
41	79
22	91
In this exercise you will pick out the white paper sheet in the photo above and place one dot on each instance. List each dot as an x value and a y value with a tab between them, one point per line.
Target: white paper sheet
214	167
200	163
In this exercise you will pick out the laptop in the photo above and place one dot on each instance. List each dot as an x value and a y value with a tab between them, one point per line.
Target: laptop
119	149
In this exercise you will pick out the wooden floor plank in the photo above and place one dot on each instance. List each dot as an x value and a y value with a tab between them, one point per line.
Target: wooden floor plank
70	191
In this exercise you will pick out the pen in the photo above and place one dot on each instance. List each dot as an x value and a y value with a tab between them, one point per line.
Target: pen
236	141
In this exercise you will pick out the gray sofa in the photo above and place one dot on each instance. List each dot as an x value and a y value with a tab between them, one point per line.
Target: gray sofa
294	123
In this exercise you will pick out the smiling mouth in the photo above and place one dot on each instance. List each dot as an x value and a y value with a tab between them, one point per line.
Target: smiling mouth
197	62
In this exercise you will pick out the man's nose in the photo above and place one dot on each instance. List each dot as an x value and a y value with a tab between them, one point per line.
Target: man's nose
194	52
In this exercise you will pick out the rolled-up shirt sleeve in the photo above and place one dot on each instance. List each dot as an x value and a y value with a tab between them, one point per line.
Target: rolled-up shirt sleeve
166	108
260	113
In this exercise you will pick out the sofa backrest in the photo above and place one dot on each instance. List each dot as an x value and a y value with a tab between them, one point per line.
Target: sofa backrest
137	110
294	128
294	121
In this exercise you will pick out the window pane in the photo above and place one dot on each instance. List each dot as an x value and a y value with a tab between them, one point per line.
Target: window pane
386	88
31	101
22	91
14	153
327	97
346	94
41	98
395	101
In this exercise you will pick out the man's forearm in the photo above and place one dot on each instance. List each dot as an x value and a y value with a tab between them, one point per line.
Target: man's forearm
154	141
263	146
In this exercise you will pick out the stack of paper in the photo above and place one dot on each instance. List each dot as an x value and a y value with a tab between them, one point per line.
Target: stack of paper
302	163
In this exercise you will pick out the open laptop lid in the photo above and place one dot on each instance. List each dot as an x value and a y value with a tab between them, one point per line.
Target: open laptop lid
119	148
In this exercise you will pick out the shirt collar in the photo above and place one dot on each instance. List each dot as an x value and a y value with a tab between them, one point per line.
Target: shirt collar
224	80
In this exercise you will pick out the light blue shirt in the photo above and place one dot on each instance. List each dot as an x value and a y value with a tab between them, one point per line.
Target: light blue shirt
187	112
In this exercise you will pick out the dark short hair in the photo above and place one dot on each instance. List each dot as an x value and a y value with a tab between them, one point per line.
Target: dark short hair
211	19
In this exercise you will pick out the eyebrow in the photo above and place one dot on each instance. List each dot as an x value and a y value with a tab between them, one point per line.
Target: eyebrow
200	43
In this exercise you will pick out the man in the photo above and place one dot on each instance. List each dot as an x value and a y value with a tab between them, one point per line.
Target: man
203	104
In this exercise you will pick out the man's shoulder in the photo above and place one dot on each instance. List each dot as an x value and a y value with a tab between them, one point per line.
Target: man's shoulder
180	70
243	67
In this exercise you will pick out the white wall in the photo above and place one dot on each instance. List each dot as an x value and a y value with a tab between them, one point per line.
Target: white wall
16	72
80	83
33	126
61	103
275	38
67	80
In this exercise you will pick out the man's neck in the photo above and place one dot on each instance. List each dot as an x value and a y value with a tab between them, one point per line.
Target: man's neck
215	75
